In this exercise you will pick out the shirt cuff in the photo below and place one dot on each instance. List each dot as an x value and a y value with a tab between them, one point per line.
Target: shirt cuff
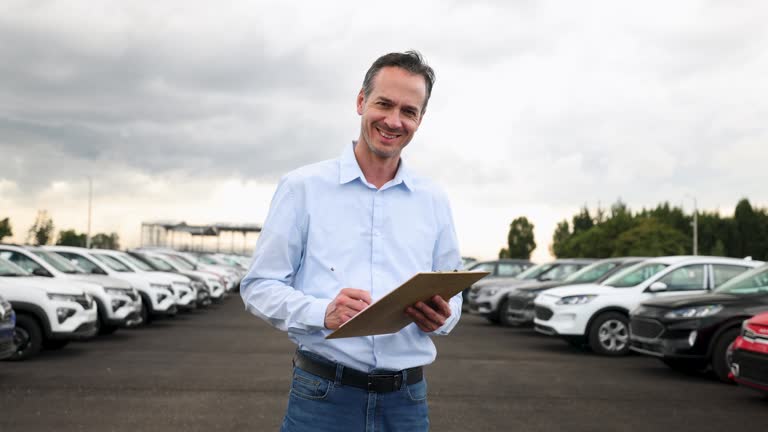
316	313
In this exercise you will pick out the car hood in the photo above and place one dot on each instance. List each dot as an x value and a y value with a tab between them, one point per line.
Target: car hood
696	300
104	281
170	277
49	285
761	319
541	286
582	289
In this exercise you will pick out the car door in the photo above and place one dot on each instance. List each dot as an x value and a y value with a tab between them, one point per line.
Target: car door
683	280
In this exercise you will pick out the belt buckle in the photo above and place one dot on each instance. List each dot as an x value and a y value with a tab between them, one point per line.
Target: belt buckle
394	379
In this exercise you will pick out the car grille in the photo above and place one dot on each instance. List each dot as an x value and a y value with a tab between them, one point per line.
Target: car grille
543	313
518	303
84	301
752	366
645	328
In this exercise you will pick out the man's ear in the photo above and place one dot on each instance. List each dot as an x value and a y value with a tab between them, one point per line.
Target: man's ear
360	102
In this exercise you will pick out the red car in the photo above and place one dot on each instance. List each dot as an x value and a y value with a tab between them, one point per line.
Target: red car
749	365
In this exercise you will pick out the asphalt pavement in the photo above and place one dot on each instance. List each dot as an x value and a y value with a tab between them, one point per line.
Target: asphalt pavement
222	369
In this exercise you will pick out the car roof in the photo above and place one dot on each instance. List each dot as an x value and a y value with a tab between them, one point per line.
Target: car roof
693	259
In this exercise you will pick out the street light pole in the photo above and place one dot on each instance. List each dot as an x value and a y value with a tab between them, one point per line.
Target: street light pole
90	198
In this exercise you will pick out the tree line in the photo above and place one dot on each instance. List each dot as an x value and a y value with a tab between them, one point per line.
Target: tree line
41	233
659	231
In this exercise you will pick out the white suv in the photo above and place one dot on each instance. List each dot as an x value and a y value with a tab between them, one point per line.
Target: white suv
598	315
215	284
49	312
186	293
157	296
119	305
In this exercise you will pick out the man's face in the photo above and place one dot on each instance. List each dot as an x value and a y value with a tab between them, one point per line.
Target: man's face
391	114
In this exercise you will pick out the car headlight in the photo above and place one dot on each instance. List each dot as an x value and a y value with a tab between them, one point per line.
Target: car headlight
693	312
117	291
747	332
491	291
528	294
577	299
63	297
162	287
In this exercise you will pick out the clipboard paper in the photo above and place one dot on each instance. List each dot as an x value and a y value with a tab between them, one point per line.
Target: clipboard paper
387	315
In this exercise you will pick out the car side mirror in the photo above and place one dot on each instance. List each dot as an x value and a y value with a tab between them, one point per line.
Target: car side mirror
39	271
657	286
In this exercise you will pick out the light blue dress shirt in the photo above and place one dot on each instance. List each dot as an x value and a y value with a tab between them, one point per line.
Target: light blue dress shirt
328	229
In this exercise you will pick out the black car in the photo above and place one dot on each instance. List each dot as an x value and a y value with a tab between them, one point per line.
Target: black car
517	308
693	333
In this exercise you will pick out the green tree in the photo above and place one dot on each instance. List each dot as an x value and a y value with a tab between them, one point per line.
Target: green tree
520	239
559	247
42	230
582	221
5	228
651	238
71	238
105	241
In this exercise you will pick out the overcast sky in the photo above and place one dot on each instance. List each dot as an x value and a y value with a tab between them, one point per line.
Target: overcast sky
189	111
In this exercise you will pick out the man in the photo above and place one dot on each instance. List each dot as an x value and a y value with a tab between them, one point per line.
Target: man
341	234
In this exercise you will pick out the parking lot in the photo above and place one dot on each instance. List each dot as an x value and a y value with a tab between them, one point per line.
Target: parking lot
222	369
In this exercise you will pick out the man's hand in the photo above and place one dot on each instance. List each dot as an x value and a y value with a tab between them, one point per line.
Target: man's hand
347	304
432	316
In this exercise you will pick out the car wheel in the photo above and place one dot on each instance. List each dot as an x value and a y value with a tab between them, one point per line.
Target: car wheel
27	336
609	334
146	315
504	317
721	362
55	344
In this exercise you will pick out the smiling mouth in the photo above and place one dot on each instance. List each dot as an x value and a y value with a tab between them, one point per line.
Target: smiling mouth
387	135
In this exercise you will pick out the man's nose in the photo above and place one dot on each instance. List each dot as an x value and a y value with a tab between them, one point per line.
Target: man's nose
393	120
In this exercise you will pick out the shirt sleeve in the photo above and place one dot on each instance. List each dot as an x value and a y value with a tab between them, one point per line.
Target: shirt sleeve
267	289
446	257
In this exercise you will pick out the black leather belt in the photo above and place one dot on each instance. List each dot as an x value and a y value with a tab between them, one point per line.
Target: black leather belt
378	383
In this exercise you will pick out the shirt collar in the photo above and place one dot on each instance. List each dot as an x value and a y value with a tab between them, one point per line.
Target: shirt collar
350	170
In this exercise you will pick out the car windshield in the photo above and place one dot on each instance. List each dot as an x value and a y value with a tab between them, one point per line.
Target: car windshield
58	262
635	275
535	271
160	263
748	283
591	272
205	259
139	264
181	263
8	268
113	263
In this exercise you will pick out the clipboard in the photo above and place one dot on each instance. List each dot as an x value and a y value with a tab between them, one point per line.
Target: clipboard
387	314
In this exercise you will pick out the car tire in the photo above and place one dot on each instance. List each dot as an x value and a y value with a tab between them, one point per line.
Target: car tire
28	337
55	344
146	313
721	364
609	334
504	314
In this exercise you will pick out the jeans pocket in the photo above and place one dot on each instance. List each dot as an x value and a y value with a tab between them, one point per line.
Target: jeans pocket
308	386
417	392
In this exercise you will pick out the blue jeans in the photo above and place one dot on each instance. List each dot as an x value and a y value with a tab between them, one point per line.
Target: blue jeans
317	404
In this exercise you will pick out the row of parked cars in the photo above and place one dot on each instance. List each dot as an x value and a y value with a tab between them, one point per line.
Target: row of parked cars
52	295
694	313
